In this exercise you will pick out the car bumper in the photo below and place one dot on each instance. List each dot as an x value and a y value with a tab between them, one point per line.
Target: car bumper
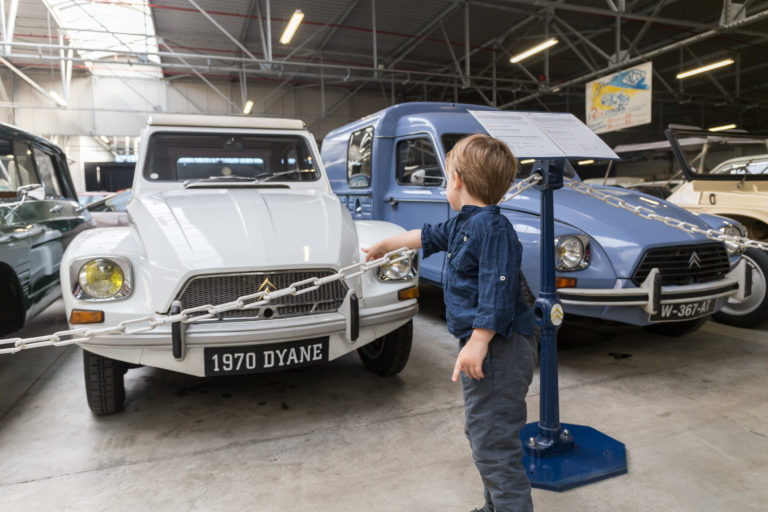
650	295
154	348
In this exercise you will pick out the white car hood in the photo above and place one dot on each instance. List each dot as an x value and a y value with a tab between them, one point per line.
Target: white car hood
224	230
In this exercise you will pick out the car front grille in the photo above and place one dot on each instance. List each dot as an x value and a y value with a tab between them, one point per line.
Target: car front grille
686	264
220	288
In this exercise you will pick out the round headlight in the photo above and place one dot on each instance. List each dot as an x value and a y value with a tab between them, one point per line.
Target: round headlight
731	231
101	278
737	231
571	253
395	271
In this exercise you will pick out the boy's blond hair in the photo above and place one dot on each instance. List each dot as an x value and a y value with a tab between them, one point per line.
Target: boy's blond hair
486	166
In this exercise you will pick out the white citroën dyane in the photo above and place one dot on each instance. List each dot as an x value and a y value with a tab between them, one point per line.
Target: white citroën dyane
224	207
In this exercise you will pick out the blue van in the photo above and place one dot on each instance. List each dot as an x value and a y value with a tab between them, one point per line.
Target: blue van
611	264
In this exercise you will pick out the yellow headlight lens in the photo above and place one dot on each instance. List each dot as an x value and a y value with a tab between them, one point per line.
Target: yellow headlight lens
101	278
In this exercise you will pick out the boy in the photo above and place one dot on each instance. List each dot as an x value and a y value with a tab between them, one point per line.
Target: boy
485	309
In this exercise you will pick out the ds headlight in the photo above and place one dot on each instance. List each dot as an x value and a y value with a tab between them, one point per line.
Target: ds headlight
103	279
572	252
735	230
397	271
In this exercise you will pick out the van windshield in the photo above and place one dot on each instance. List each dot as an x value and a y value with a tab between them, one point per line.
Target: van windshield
223	156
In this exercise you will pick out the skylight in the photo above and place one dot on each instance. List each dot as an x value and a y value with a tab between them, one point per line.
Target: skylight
102	27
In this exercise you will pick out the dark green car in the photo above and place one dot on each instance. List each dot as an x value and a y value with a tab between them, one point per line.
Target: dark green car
39	215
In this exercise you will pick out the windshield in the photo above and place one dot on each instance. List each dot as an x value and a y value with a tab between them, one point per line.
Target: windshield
450	139
721	156
221	156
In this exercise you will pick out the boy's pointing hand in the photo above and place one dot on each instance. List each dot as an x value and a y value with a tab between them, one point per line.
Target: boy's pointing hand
470	360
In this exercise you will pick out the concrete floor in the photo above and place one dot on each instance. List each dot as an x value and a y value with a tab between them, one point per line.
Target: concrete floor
692	412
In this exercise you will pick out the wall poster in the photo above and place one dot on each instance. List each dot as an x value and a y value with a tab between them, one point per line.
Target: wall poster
620	100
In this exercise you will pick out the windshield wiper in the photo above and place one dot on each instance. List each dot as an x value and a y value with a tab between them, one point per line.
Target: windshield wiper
218	179
267	176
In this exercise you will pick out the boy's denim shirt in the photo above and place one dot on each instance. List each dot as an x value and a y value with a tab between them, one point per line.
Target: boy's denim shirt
482	283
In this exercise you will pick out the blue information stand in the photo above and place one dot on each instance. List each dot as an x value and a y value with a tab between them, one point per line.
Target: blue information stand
560	456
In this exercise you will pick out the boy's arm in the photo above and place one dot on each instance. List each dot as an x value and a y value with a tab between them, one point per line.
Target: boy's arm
471	357
410	239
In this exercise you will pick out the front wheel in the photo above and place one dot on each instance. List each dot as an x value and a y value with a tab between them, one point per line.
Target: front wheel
753	310
387	356
104	383
676	329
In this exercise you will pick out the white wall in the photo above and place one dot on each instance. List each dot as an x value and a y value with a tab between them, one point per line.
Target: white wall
110	106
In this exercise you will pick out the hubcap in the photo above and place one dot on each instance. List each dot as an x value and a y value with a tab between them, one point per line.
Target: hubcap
374	349
752	302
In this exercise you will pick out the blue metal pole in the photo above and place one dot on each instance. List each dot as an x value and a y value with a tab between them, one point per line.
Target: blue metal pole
549	401
553	460
550	437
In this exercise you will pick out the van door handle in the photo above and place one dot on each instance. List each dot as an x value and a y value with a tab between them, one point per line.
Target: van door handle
392	201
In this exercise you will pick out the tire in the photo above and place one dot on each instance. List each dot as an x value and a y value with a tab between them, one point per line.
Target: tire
676	329
104	383
387	356
753	310
11	303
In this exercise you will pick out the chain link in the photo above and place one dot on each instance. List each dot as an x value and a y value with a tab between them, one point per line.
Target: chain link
519	188
148	323
609	197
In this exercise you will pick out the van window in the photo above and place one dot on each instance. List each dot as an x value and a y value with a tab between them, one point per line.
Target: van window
417	163
359	158
47	171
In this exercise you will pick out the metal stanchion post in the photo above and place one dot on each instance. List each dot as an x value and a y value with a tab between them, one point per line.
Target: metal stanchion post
559	456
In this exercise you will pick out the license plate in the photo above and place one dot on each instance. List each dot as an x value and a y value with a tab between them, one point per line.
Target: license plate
683	310
265	358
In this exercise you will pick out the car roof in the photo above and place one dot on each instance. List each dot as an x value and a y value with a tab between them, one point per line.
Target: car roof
17	133
184	120
387	121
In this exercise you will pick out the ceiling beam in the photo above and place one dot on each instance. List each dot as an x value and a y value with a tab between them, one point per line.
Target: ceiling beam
644	57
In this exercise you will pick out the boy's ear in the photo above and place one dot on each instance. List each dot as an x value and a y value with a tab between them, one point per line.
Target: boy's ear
457	183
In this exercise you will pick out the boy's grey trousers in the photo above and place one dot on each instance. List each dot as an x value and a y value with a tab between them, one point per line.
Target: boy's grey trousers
495	412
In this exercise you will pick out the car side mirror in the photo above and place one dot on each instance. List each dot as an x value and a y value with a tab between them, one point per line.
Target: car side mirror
32	191
419	177
359	181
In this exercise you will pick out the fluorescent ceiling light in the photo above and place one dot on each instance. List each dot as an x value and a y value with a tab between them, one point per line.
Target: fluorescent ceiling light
722	128
58	99
293	24
531	51
708	67
527	161
104	139
248	107
586	162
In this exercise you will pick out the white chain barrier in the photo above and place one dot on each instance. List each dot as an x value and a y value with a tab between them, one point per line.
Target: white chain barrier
246	302
147	323
259	299
646	213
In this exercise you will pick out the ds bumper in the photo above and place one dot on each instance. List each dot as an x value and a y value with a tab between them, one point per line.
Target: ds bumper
650	295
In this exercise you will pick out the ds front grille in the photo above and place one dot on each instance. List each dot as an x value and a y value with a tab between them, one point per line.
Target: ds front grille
221	288
686	264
